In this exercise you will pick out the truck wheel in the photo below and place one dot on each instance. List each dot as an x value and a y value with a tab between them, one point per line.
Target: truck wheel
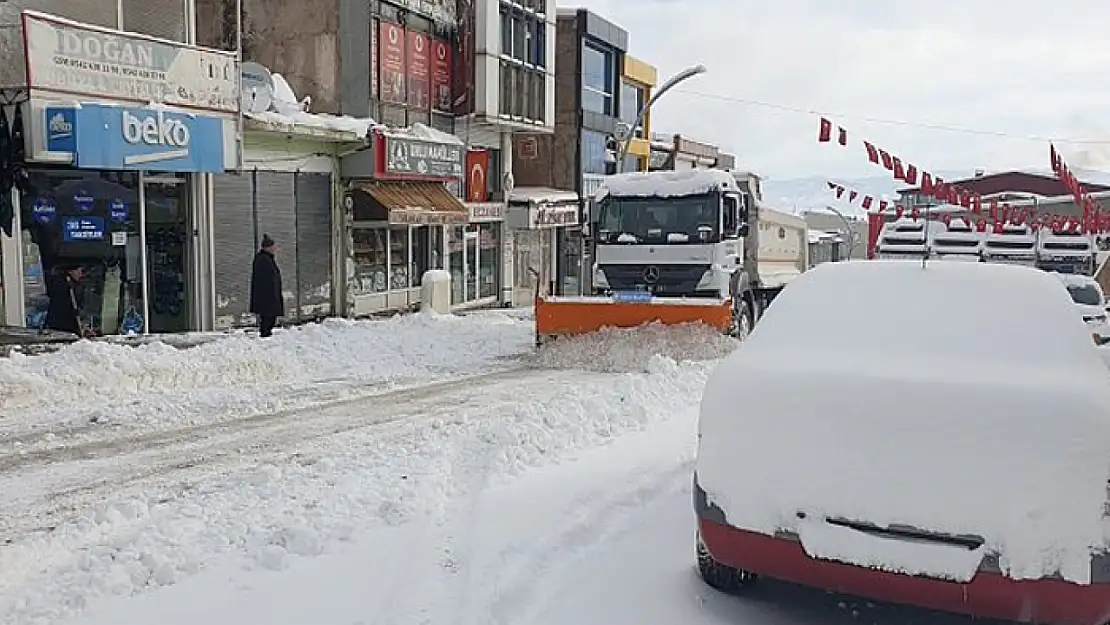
720	576
742	318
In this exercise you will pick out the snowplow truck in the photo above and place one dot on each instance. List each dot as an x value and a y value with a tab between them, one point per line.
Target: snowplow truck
676	247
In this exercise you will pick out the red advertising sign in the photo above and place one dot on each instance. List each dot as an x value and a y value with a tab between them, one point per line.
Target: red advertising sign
391	42
374	38
477	176
419	65
441	75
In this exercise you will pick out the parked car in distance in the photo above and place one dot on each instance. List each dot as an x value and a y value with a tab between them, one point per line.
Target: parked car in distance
1087	294
968	436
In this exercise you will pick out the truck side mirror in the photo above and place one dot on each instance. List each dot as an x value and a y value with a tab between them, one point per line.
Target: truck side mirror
743	230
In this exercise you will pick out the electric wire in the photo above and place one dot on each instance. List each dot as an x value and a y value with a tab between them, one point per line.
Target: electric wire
886	121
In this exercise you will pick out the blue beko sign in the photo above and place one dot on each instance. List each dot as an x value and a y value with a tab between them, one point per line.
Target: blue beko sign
115	137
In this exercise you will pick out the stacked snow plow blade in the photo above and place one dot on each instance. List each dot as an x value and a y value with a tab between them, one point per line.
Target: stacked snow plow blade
566	316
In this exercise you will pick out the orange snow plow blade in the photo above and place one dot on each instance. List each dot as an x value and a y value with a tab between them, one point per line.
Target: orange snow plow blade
562	316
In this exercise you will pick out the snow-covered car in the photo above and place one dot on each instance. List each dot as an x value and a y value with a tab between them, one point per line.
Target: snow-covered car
882	434
1090	300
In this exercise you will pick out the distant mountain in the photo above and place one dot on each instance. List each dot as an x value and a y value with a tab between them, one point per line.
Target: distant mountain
798	195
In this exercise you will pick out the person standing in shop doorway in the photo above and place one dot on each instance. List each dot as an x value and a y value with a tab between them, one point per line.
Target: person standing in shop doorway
63	288
266	299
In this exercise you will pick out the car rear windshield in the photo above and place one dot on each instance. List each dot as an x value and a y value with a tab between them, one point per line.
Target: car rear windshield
1085	294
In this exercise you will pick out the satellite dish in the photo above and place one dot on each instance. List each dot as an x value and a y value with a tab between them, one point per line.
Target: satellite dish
257	92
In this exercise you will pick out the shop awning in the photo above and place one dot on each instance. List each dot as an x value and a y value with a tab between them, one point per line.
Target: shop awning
408	202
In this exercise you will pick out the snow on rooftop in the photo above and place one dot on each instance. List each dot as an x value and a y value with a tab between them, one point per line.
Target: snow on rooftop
541	195
287	112
945	433
425	133
667	183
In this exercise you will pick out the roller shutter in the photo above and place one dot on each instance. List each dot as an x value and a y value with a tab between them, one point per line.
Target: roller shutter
314	252
234	244
276	215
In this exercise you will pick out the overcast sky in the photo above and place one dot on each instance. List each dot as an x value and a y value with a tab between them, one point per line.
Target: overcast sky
1010	66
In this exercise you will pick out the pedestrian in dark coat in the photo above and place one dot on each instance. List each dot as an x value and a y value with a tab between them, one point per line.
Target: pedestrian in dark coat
266	298
64	293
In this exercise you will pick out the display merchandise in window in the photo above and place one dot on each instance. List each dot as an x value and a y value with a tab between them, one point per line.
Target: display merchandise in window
489	257
421	252
82	252
369	252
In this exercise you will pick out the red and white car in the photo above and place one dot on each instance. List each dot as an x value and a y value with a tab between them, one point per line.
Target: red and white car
933	435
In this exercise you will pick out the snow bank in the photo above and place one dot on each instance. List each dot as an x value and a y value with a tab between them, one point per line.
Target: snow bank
111	379
948	427
322	497
614	350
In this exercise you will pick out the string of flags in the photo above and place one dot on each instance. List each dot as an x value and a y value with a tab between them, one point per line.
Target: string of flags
986	212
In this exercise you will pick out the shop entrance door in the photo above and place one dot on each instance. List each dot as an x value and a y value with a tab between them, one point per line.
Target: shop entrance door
470	259
166	203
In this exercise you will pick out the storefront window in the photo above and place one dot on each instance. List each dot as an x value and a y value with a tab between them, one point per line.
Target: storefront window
399	257
456	263
595	159
489	258
421	252
369	254
86	221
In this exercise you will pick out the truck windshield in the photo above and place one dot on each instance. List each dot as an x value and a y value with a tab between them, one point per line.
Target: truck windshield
659	220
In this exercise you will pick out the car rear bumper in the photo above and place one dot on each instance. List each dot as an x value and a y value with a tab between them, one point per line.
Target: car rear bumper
990	594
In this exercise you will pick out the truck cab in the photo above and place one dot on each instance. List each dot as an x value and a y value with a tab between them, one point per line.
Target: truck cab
670	234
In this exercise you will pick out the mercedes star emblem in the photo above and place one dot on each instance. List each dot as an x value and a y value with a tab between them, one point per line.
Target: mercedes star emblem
651	274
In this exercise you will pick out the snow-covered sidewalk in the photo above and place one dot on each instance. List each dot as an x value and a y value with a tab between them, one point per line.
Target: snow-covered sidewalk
90	385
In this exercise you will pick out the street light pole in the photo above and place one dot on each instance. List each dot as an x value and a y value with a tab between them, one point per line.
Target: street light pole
847	229
626	141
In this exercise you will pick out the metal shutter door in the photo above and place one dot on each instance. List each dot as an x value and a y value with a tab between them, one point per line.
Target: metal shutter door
313	202
277	217
234	243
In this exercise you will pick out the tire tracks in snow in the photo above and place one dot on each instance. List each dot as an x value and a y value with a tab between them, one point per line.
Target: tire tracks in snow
535	571
70	479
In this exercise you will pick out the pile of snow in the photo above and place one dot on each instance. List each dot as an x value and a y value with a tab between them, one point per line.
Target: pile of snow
949	427
107	378
322	497
287	110
619	350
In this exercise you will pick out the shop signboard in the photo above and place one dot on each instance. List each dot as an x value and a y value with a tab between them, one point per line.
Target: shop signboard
441	75
75	59
486	212
81	229
418	67
402	157
424	217
115	137
391	59
548	216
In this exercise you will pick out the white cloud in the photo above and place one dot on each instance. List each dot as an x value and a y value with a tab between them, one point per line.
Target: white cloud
1009	67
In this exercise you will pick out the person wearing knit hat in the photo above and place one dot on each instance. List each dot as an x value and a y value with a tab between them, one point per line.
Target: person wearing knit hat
266	295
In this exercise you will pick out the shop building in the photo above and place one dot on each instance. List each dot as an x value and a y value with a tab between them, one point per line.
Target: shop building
589	53
288	188
403	217
538	218
681	153
116	186
637	81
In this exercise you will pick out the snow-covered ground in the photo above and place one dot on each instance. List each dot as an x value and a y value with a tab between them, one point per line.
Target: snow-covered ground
605	536
426	423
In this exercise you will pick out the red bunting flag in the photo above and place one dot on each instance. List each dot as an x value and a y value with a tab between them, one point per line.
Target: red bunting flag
824	133
872	152
888	162
867	199
911	174
899	172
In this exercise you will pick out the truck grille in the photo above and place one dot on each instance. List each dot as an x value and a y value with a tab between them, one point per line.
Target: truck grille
673	280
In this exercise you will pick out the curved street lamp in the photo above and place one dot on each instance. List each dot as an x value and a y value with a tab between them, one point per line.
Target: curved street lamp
853	237
626	141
